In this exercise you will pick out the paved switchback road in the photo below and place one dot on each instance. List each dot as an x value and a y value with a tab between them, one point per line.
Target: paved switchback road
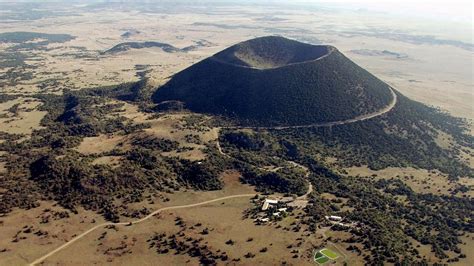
380	112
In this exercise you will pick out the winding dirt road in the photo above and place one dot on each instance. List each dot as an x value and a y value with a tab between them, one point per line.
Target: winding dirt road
63	246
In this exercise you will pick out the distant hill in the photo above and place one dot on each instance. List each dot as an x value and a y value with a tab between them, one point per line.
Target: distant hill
276	81
130	33
125	46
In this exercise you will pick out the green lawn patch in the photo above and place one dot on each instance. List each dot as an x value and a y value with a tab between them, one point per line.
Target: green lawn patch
322	260
329	253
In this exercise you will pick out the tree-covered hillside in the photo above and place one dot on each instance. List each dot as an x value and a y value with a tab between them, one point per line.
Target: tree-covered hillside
330	88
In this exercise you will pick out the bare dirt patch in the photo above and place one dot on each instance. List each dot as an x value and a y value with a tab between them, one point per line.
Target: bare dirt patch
99	144
28	234
20	116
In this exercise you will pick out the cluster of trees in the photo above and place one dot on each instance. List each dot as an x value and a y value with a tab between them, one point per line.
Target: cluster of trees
7	97
12	59
184	243
14	75
153	143
242	140
193	247
284	180
20	37
202	175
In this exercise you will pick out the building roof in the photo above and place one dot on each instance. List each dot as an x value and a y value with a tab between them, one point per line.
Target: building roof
265	206
270	201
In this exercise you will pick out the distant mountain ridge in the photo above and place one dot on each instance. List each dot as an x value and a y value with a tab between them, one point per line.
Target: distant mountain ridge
274	81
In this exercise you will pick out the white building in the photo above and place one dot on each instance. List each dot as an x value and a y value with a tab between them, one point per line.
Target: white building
267	203
334	218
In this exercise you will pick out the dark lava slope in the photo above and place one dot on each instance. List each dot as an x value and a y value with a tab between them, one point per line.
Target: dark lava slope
272	81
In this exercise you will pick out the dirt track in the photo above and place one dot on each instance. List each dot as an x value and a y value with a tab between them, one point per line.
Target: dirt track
63	246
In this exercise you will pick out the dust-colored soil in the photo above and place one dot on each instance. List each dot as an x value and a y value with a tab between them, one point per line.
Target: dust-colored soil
467	247
28	234
102	143
24	119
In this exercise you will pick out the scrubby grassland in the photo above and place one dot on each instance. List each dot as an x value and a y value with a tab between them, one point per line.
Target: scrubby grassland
196	236
47	165
142	162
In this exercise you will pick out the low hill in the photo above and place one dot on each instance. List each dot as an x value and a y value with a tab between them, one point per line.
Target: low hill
125	46
272	81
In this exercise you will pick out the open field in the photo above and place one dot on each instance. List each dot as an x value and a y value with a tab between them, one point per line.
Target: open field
29	234
129	245
420	180
102	143
20	116
325	255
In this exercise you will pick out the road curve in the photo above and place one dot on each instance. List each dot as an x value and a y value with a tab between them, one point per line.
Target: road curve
384	110
76	238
